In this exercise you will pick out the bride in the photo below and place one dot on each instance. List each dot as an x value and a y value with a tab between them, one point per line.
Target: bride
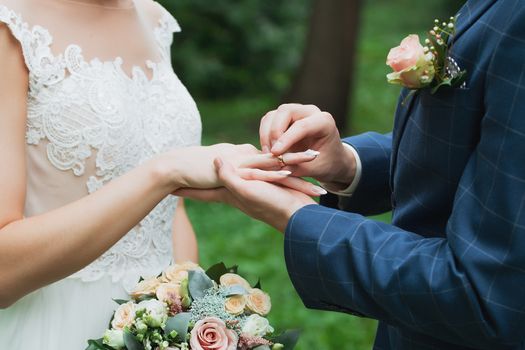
96	132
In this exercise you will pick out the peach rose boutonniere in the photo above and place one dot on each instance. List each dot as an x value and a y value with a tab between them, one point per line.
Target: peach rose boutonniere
416	66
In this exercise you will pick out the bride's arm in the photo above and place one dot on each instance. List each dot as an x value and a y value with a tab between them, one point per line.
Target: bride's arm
39	250
185	246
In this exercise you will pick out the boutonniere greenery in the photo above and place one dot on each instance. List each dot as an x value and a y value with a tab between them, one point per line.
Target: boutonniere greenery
417	67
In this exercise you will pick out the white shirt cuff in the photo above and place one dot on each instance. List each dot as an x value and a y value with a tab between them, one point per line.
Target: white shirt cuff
347	192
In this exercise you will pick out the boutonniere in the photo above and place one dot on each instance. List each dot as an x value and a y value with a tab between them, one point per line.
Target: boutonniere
417	67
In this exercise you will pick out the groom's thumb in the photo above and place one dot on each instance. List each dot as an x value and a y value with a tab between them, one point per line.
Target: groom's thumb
226	173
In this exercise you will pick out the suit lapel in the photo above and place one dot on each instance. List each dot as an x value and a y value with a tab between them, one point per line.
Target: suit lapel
469	14
404	107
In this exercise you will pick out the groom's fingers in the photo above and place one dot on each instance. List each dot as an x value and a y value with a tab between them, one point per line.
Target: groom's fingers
227	174
276	122
315	126
264	132
288	114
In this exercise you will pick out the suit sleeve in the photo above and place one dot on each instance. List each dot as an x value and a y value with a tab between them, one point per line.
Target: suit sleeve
467	288
372	195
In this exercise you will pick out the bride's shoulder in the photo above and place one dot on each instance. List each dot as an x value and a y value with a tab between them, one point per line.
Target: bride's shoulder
17	6
159	14
153	10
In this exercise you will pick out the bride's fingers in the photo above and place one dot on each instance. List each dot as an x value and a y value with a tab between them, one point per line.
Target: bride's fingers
263	175
299	158
298	184
269	161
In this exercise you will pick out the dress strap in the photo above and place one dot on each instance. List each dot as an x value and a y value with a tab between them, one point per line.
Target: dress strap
44	68
164	31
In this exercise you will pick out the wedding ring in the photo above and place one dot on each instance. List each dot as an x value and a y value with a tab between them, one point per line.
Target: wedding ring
282	163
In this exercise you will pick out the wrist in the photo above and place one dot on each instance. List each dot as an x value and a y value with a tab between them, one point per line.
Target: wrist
286	214
166	172
347	170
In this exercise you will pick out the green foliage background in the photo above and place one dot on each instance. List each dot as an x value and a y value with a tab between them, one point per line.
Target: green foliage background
232	47
236	58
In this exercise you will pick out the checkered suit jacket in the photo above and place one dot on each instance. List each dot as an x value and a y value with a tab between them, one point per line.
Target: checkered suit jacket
449	272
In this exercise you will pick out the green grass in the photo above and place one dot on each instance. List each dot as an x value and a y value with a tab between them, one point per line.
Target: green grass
227	235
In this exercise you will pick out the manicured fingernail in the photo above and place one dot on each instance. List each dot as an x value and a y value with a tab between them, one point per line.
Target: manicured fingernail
284	172
312	153
319	190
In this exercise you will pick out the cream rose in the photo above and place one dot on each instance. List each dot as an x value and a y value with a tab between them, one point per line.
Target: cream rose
211	334
413	65
145	287
114	339
178	272
235	305
168	292
258	302
124	316
156	312
231	279
257	326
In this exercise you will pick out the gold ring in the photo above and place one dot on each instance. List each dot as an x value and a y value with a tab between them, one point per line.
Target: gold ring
281	161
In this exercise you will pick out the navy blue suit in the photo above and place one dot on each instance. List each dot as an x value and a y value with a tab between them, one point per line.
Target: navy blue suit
449	272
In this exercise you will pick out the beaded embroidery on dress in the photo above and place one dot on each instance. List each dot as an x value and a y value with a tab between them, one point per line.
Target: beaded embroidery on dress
97	122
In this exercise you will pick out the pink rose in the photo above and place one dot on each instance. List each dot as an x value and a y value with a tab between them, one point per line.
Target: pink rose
413	65
211	334
405	55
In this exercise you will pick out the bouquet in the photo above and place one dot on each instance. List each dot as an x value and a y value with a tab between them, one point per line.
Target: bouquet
189	308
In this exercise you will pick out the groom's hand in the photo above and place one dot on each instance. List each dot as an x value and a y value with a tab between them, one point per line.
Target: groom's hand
298	127
261	200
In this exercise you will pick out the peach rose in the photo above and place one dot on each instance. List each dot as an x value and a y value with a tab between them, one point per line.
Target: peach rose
124	316
235	305
211	334
179	272
231	279
258	302
145	287
413	65
168	292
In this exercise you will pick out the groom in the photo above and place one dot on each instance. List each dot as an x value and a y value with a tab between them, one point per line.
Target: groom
449	272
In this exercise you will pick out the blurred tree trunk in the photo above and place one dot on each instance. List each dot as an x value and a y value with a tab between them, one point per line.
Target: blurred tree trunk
325	75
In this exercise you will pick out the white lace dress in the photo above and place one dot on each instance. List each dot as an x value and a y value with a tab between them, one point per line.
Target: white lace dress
91	118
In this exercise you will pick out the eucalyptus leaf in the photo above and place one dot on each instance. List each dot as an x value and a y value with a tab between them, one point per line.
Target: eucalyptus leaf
131	342
289	338
180	324
258	284
97	344
235	290
199	283
120	301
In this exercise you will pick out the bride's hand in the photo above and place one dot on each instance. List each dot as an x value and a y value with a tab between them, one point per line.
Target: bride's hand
192	167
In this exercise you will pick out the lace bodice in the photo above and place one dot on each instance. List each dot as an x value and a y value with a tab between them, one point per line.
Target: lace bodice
89	122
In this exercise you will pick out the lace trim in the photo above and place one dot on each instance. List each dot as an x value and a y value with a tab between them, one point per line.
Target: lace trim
93	108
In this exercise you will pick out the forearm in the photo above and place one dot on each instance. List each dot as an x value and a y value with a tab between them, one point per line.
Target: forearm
185	247
364	267
39	250
372	194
